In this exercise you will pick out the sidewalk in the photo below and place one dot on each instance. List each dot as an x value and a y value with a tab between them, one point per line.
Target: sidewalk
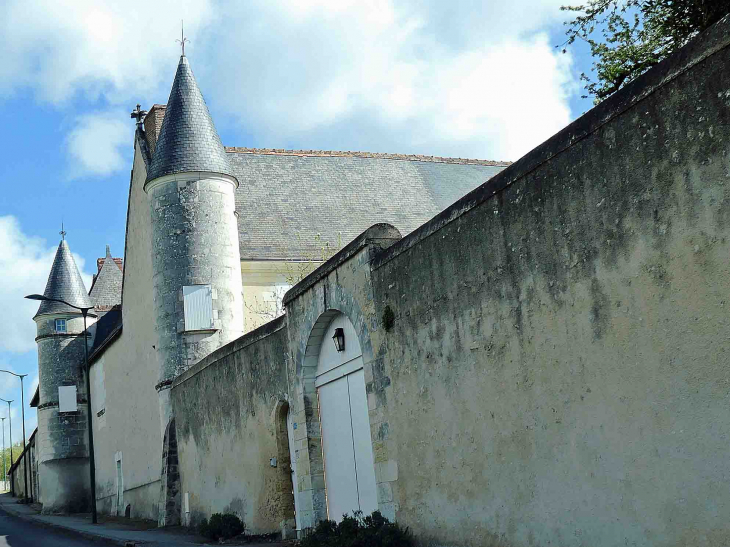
111	530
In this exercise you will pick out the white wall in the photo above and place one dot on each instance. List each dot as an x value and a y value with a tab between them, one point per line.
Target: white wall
264	285
130	423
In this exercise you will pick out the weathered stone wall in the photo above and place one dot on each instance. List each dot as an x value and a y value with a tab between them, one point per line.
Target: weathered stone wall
62	436
194	242
226	410
16	473
557	370
544	360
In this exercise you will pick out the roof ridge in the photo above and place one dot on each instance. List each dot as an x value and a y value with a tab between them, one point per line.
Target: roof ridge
358	154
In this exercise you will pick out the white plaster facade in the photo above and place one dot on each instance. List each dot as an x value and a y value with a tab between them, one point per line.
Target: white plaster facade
128	372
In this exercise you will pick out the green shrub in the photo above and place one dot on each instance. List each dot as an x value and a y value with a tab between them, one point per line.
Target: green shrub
221	526
358	531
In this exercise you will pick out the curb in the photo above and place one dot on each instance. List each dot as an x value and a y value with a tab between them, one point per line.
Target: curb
88	535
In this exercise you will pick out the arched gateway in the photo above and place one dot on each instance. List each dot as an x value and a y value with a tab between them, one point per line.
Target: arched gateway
347	449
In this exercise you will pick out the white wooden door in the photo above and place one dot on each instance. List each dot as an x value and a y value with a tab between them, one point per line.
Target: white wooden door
337	446
293	458
362	444
348	454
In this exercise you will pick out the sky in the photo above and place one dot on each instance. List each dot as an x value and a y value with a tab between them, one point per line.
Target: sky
471	79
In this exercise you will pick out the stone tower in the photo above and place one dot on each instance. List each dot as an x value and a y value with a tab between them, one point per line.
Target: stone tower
63	455
198	300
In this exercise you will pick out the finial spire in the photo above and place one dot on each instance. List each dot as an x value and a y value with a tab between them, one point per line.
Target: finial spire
182	39
62	232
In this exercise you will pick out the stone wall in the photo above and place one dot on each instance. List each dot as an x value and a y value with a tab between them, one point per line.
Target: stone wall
62	436
545	360
557	368
16	473
227	412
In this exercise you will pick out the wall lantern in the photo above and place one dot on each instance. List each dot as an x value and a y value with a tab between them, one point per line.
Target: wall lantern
339	339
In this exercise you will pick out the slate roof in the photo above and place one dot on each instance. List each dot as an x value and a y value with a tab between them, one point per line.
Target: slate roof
188	139
106	290
64	283
287	197
107	327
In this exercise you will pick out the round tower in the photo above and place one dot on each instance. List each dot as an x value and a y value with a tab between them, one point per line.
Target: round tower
198	300
63	454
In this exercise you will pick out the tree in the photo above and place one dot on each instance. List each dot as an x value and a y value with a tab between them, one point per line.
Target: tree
634	35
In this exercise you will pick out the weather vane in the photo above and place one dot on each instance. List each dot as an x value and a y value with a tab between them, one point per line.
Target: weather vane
182	39
62	232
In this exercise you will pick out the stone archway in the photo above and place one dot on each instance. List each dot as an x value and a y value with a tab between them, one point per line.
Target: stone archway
349	467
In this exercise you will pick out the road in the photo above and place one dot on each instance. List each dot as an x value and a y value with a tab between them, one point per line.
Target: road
17	532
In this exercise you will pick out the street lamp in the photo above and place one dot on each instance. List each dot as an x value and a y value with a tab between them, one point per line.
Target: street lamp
92	465
5	470
10	419
22	417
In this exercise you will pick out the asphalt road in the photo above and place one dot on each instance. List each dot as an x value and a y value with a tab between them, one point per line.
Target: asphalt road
17	532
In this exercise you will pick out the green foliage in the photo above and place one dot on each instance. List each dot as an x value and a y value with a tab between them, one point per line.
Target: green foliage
221	526
17	450
634	35
358	531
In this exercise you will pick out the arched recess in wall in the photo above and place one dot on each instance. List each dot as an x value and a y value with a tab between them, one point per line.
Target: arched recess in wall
285	482
347	454
169	507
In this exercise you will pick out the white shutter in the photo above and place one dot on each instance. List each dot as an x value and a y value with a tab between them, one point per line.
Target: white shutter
67	399
198	307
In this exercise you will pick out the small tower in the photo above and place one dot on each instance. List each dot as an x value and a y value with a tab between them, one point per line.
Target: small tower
198	300
63	455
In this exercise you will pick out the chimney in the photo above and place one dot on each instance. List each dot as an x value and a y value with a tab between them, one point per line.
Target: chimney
153	124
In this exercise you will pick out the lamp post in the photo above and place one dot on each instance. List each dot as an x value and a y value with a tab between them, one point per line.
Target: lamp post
92	465
5	470
22	418
10	419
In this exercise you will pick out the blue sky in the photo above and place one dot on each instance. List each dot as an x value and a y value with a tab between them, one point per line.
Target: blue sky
465	78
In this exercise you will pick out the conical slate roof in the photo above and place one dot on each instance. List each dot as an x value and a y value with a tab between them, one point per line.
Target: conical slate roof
106	291
64	283
188	140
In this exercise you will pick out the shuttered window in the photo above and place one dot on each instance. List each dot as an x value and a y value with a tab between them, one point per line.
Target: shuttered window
67	399
198	307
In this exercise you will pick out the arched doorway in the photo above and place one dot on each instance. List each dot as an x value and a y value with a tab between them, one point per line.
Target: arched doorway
343	410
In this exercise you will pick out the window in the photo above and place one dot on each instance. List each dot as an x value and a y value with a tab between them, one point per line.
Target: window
67	399
60	325
198	305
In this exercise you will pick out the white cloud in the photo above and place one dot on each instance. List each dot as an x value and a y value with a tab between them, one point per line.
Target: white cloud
459	78
116	49
97	143
466	77
25	263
